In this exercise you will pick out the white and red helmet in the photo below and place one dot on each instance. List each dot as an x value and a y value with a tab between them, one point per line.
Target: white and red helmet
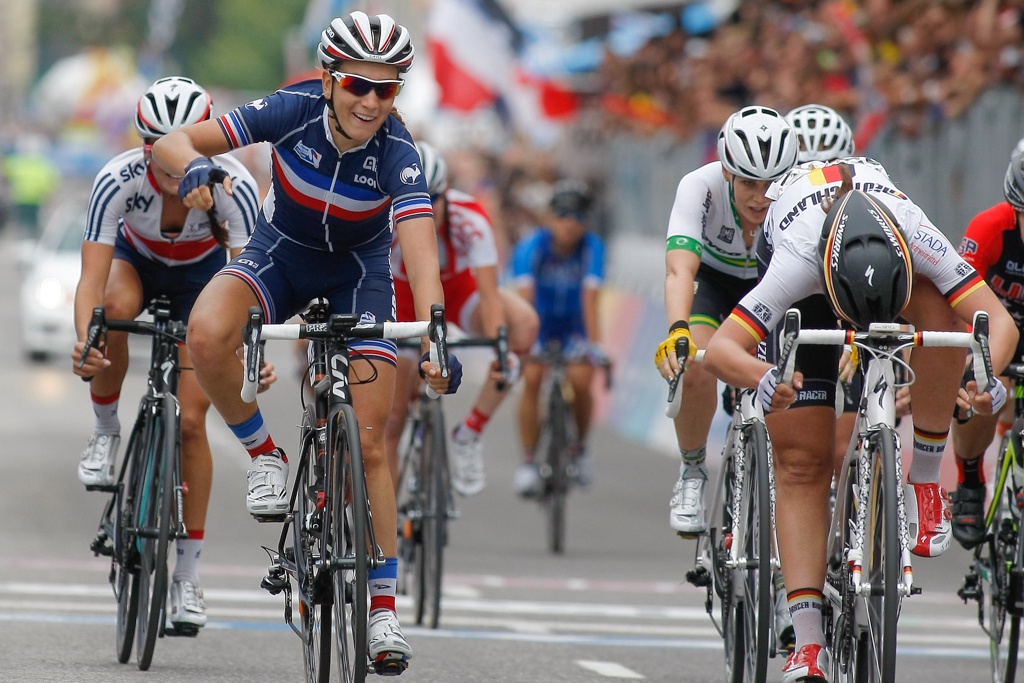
169	104
362	38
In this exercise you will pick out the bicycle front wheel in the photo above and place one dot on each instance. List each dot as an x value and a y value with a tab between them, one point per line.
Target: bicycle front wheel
125	565
557	477
757	602
154	531
881	606
998	563
723	577
309	540
434	524
349	535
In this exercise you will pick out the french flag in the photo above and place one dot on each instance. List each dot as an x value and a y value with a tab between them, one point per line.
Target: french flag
475	46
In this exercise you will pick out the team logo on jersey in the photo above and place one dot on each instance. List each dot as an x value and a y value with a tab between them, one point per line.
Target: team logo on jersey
968	246
410	174
257	104
308	154
726	233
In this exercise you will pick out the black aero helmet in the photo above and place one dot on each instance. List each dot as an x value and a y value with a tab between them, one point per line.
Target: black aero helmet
570	197
865	261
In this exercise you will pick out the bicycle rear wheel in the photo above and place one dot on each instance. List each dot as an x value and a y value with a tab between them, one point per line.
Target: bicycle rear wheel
881	608
125	564
156	508
434	523
349	535
757	601
556	476
309	539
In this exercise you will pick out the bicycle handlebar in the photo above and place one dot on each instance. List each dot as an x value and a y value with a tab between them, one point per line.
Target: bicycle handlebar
255	333
891	333
99	326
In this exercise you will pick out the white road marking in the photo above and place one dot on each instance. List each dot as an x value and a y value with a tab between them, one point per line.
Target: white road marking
609	669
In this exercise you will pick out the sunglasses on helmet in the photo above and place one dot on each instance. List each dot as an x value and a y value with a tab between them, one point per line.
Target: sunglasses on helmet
360	86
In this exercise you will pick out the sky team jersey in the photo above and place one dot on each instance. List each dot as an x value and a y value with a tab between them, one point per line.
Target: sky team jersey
793	229
321	198
125	197
558	281
703	221
993	245
465	244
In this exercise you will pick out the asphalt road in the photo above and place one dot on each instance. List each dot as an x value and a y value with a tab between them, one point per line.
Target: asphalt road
614	606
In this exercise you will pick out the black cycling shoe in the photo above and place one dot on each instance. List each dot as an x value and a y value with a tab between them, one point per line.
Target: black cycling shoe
969	515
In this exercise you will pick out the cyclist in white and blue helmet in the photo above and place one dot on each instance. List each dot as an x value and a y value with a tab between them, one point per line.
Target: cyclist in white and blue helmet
822	134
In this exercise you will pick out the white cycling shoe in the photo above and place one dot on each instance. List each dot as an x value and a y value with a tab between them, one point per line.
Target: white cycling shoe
467	465
187	611
97	465
388	649
688	516
267	499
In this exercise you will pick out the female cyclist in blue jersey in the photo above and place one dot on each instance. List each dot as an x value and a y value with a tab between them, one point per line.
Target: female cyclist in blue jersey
142	241
560	270
345	175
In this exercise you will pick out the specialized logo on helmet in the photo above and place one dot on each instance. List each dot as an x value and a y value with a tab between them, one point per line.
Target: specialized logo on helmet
257	104
887	228
868	274
410	174
308	154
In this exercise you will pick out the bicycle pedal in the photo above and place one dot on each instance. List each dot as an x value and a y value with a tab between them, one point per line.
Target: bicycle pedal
699	577
274	582
390	667
269	518
101	545
181	630
689	535
105	488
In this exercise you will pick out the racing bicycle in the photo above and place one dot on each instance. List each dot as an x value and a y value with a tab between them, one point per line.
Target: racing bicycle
327	545
869	570
425	483
144	512
996	577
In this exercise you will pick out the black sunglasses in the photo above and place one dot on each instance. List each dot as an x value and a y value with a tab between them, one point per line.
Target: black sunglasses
360	85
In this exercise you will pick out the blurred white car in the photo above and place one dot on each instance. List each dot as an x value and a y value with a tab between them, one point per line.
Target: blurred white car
51	271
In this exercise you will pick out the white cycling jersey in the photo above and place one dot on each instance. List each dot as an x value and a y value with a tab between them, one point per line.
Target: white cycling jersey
125	197
703	221
793	230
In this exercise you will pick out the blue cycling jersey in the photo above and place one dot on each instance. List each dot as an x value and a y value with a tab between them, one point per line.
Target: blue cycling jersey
321	198
558	281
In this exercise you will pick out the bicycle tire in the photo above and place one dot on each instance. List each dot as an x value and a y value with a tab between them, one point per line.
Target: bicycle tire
757	543
557	478
732	608
994	560
848	642
155	530
434	523
884	573
309	539
124	565
349	534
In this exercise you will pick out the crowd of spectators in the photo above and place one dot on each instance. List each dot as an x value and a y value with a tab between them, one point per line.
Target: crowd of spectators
907	62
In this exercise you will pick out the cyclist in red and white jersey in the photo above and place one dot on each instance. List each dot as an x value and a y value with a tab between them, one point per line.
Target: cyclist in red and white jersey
468	258
994	244
887	261
710	264
141	241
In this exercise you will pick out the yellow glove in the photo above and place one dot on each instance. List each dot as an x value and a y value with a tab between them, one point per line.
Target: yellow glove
677	332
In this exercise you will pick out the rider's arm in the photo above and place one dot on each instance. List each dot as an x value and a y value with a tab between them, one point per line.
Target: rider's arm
680	272
419	251
96	260
1002	330
593	279
491	311
179	148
